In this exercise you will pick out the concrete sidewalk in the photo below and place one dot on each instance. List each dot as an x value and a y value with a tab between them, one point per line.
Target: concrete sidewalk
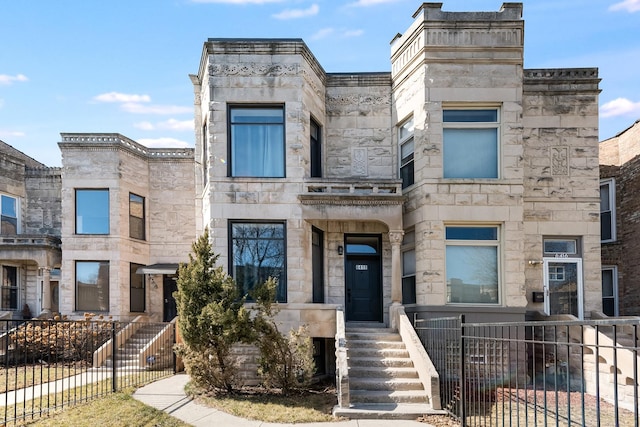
168	395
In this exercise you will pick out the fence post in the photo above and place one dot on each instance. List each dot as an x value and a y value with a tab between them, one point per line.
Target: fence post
463	375
114	351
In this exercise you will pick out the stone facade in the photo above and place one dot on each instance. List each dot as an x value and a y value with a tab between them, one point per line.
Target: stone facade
30	252
164	179
619	165
374	188
544	192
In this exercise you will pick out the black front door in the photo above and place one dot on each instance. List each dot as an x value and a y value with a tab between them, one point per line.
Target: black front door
363	279
363	289
169	286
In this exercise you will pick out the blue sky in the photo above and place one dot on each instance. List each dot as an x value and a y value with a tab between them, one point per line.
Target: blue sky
122	65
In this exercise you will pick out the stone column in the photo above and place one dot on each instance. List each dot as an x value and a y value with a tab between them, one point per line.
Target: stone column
46	292
395	237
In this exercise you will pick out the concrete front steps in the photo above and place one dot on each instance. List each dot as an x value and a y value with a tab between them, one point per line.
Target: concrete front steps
383	382
128	355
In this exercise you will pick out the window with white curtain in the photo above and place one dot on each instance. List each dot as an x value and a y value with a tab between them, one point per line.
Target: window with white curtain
470	143
257	142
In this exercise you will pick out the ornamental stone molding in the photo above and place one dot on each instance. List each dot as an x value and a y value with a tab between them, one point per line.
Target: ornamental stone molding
559	161
250	69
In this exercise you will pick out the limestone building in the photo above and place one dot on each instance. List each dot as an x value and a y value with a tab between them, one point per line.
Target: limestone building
128	219
30	252
619	203
459	182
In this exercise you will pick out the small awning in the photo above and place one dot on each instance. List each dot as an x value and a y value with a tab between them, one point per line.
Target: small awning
158	269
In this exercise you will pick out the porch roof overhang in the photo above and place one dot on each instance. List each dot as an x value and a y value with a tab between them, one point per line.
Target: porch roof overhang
166	268
44	250
353	200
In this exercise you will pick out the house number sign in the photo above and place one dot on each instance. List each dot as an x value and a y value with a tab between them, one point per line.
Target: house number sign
362	267
562	256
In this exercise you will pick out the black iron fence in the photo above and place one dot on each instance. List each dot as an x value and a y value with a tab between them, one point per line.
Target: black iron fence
47	365
543	373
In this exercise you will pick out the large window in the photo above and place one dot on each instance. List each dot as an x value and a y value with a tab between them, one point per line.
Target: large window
136	217
9	208
470	143
92	211
409	268
405	140
92	285
608	210
9	296
472	264
257	141
258	252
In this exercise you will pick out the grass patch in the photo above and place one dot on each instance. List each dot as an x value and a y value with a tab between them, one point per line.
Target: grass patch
114	410
314	405
21	376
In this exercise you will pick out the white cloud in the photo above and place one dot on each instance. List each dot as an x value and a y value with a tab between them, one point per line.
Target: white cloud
628	5
135	108
366	3
121	97
177	125
323	33
163	143
620	107
11	134
144	125
6	79
171	124
353	33
241	2
297	13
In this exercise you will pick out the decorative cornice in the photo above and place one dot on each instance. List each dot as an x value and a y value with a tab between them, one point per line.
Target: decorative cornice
115	142
249	69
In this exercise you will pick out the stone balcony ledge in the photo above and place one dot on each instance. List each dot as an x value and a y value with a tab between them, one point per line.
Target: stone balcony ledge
352	191
30	240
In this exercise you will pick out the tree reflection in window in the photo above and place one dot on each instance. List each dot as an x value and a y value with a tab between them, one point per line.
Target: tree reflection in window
259	253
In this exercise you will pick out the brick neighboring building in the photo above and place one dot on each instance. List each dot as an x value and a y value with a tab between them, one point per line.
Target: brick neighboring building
620	207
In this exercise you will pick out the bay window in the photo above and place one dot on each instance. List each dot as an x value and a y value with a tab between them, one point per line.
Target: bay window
257	142
470	143
92	285
472	264
92	211
258	251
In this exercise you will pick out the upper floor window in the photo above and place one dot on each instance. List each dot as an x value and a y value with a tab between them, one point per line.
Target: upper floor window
257	142
608	210
258	252
316	150
472	264
470	143
9	221
136	217
405	140
92	211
